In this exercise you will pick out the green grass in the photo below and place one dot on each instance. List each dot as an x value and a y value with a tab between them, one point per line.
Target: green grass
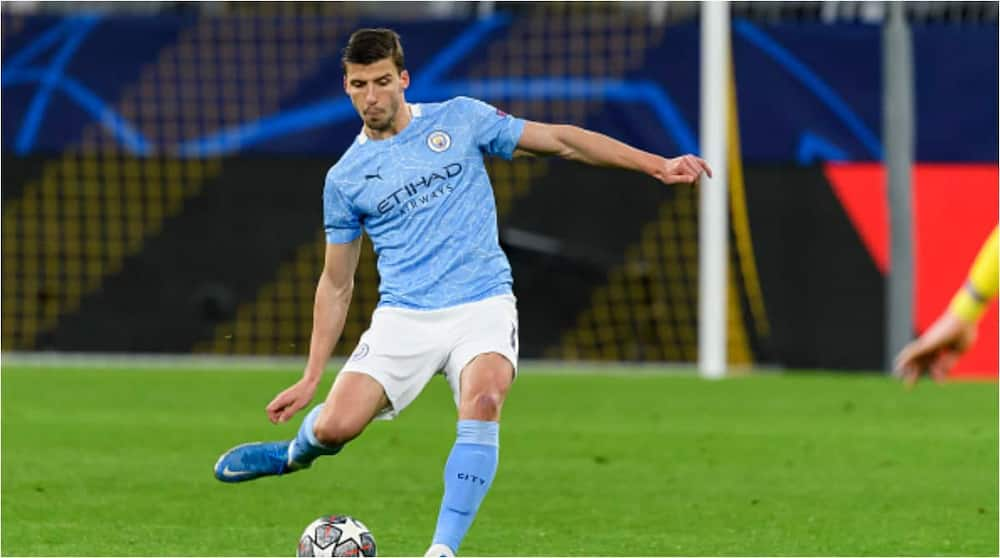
118	462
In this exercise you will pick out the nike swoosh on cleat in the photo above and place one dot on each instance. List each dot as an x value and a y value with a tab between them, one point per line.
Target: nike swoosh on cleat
230	474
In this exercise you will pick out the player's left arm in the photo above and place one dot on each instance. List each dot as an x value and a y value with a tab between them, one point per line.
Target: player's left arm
577	144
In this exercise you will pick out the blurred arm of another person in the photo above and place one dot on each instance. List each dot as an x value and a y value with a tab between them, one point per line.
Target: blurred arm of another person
954	332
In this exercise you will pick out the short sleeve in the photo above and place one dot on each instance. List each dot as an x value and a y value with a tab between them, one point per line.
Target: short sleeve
497	132
339	220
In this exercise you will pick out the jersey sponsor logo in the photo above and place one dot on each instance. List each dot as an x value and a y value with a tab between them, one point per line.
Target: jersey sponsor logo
359	353
438	141
435	181
424	199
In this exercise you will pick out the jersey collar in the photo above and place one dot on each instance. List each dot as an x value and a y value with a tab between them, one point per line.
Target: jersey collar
416	111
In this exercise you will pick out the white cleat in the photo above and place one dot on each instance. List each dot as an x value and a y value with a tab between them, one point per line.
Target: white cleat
439	551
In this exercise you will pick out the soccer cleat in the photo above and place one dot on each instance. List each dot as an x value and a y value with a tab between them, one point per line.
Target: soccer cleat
256	459
439	551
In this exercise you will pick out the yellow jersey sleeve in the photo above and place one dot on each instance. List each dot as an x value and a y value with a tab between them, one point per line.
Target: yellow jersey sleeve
970	301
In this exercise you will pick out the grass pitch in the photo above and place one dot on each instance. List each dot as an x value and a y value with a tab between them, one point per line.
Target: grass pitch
112	462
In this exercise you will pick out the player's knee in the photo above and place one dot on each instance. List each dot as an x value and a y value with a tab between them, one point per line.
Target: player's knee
336	430
486	406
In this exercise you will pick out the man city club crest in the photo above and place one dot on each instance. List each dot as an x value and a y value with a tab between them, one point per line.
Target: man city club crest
438	141
360	353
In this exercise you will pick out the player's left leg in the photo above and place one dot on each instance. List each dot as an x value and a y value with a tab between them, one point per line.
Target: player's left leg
472	464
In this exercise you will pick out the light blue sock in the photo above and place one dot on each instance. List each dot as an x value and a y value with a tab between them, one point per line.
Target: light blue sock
306	447
468	475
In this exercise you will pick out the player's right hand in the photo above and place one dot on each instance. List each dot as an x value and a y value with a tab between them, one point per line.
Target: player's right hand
936	351
288	402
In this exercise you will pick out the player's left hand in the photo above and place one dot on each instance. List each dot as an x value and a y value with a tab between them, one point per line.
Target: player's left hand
685	169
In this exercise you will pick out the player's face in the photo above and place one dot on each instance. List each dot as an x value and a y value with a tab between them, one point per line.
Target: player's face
376	91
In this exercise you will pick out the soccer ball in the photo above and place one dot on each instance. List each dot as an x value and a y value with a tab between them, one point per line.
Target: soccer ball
336	535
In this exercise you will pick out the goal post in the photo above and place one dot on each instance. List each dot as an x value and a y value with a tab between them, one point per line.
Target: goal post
713	215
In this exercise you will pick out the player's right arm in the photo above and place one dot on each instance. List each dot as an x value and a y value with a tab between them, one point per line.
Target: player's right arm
333	298
342	225
954	332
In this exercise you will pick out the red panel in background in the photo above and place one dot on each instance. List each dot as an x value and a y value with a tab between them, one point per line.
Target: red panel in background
955	208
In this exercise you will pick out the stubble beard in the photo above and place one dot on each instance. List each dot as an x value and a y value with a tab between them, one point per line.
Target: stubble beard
377	125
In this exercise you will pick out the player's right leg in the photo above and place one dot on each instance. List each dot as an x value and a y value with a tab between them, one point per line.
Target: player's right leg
352	403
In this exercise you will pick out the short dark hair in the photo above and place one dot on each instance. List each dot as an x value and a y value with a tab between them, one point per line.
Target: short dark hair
367	46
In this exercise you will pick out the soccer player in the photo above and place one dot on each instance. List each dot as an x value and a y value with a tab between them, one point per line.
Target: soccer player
415	182
954	332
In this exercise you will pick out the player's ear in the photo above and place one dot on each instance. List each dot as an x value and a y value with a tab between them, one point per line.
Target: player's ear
404	79
345	85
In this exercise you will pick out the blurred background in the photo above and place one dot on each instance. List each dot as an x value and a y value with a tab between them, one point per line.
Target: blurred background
163	166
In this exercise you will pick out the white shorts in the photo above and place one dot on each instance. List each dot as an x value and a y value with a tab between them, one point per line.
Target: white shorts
403	349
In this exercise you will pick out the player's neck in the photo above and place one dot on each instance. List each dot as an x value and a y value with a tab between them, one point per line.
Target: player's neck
401	121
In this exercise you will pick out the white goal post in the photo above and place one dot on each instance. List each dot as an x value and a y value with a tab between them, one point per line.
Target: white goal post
713	224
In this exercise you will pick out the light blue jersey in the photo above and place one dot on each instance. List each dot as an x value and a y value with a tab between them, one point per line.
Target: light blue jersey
426	202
